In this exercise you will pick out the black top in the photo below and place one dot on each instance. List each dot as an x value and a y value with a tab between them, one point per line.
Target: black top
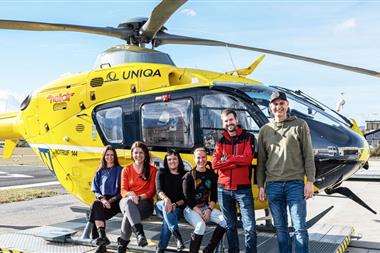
170	184
205	191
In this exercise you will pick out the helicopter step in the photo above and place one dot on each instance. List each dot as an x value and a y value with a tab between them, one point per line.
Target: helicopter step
56	238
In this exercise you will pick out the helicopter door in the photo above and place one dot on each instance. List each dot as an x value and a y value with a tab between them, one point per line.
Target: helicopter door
167	121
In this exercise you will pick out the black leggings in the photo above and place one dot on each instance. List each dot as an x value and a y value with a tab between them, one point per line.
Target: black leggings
99	212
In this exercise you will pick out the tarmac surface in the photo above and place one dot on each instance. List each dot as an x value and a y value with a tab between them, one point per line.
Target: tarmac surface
15	175
38	212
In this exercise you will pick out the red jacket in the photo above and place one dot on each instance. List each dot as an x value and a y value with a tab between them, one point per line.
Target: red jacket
236	171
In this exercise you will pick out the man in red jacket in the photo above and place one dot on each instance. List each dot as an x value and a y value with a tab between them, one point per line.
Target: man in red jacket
232	158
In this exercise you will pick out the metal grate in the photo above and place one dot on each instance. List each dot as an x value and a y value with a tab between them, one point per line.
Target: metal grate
79	128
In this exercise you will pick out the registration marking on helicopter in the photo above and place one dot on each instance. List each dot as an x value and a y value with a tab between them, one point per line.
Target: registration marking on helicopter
68	147
46	150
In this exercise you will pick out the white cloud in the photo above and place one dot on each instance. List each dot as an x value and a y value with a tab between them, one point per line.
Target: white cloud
189	12
346	25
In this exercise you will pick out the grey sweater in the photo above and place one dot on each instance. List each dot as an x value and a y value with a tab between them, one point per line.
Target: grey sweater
285	152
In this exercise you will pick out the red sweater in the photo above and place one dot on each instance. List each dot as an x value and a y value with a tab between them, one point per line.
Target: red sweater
235	172
132	181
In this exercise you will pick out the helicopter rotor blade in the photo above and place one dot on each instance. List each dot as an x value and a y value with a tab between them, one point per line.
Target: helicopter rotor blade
123	34
160	14
166	38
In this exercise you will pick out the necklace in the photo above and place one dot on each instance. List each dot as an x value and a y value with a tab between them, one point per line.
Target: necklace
107	171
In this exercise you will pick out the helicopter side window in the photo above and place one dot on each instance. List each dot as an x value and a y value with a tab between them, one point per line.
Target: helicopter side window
211	109
110	122
168	123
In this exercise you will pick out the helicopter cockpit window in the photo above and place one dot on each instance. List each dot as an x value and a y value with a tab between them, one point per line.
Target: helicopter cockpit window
168	124
297	106
211	109
110	122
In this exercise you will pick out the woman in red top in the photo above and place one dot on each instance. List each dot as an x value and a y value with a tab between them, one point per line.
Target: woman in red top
137	189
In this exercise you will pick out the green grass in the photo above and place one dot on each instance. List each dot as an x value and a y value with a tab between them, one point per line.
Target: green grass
376	152
14	195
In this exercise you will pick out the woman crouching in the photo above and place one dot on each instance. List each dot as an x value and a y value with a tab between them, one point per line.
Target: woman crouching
171	205
200	190
137	190
106	186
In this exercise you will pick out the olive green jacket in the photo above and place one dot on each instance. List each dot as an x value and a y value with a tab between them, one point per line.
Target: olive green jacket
285	152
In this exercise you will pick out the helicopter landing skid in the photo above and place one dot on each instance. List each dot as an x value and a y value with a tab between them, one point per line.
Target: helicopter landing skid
350	194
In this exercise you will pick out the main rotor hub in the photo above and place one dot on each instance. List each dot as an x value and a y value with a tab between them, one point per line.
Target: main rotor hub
134	25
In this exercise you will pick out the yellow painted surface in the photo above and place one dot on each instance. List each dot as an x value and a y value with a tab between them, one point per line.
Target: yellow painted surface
58	123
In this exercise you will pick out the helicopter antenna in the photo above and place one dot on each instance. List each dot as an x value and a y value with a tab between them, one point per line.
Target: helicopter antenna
232	60
341	103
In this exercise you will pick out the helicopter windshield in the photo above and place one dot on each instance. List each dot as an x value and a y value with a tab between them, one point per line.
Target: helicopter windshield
299	106
326	109
116	57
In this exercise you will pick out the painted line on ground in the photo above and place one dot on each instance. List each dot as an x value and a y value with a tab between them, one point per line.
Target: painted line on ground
13	175
22	165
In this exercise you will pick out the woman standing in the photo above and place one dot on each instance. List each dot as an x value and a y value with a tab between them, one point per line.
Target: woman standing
171	205
106	186
137	190
200	190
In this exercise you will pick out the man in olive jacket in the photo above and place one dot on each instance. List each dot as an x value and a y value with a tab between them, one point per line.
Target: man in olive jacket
285	158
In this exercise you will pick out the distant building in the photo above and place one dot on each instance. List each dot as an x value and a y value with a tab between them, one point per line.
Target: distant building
371	125
373	138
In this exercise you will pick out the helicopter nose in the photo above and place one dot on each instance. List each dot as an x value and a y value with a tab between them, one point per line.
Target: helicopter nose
338	152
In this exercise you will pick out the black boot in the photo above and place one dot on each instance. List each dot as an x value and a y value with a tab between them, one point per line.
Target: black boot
94	232
158	250
178	237
102	239
216	237
101	249
140	236
122	245
195	243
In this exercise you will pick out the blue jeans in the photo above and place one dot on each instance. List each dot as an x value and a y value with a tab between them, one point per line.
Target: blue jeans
170	223
227	201
291	194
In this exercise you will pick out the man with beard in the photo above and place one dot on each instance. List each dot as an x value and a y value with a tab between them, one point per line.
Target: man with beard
285	158
232	158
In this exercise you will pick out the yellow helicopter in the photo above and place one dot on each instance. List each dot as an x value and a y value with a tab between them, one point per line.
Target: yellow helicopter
136	93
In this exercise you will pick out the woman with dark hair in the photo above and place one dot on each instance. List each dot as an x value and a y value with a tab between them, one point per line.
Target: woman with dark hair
106	186
137	190
200	190
171	205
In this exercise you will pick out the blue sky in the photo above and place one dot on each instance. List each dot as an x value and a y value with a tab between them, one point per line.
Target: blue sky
342	31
